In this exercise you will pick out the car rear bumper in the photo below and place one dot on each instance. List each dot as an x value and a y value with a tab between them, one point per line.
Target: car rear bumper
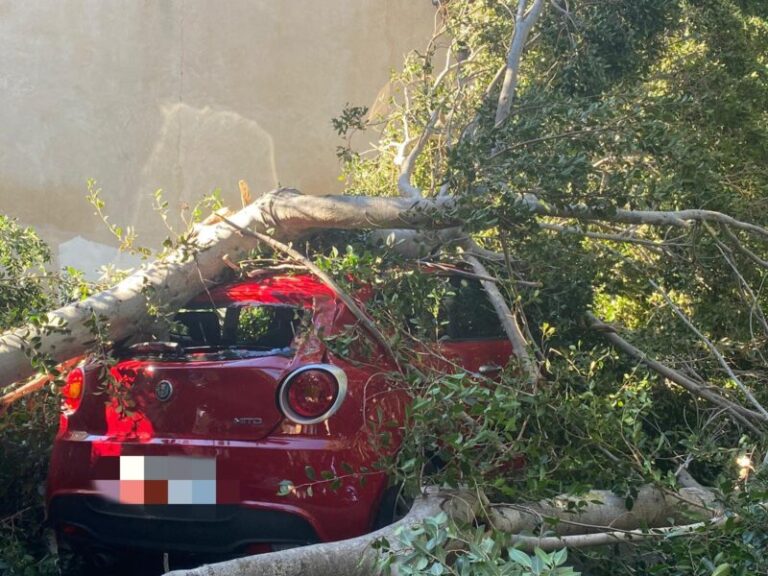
247	479
90	521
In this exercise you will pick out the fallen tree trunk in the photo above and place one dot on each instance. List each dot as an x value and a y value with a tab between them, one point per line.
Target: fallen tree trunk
124	310
601	511
601	518
353	557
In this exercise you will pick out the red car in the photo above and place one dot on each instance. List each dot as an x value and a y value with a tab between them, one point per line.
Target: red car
242	428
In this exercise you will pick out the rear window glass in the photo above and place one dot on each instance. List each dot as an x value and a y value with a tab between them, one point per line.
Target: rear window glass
251	326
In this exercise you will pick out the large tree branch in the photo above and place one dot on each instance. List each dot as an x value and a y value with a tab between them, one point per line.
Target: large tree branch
577	541
677	218
598	511
603	511
523	24
353	557
287	214
404	183
172	281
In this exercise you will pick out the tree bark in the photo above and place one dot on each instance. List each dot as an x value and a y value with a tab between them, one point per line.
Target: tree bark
509	322
353	557
523	24
602	510
741	414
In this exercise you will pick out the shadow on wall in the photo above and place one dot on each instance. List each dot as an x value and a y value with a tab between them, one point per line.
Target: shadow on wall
199	150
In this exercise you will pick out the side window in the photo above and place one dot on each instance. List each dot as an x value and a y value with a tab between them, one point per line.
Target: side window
470	313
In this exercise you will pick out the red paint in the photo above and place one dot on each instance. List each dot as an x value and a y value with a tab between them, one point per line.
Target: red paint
227	409
271	290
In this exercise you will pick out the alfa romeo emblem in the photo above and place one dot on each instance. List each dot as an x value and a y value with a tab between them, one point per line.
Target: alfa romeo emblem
163	390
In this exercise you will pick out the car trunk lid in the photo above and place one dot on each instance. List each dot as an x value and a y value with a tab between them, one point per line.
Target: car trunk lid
202	398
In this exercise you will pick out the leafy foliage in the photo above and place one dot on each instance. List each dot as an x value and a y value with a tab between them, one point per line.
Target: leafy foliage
27	290
23	278
643	105
437	547
647	105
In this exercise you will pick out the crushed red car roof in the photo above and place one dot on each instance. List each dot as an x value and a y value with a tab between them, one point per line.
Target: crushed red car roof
299	289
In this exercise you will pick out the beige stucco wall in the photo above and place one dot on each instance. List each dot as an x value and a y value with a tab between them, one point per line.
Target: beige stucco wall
184	95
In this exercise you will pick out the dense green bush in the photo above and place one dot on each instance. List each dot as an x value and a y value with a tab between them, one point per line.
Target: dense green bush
27	290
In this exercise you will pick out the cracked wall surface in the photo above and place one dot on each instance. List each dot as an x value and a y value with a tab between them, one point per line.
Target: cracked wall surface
184	95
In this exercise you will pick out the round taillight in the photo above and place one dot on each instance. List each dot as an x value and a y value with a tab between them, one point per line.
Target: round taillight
72	391
313	393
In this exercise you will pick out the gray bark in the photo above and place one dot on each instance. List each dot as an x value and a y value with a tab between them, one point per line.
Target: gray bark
523	24
353	557
285	214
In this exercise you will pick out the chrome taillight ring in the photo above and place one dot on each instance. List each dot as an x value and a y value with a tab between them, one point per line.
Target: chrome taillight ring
341	381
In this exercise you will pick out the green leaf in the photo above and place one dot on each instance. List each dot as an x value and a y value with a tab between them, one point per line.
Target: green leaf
519	557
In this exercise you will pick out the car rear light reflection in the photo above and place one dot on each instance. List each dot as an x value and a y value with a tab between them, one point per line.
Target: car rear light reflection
72	391
313	393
